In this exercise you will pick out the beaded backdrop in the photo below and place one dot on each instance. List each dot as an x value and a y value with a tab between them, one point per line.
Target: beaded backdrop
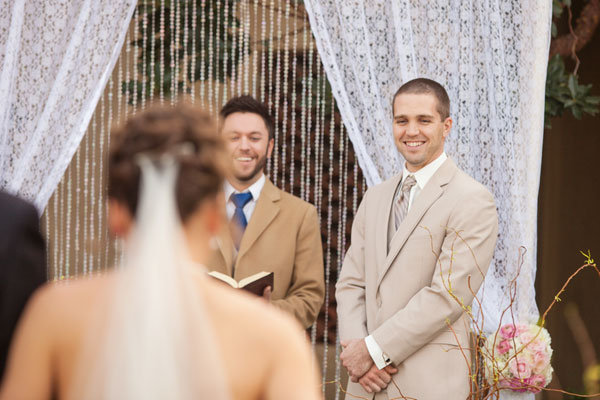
209	51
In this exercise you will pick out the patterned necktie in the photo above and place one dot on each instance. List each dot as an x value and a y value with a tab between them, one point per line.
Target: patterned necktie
238	221
401	204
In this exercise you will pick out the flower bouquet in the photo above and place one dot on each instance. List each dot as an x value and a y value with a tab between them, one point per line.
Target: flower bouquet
517	357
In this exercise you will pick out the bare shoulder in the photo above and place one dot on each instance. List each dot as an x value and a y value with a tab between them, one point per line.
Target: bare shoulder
250	314
58	302
74	289
265	347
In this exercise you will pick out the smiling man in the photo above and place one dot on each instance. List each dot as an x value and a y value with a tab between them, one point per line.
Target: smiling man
421	244
269	229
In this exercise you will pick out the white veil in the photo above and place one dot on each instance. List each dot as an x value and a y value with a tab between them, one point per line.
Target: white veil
158	343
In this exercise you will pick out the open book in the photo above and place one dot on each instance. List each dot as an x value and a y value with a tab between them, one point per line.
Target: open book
254	283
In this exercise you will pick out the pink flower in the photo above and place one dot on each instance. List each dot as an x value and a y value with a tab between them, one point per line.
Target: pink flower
527	338
518	368
514	384
536	383
526	349
508	331
503	347
522	328
537	346
540	360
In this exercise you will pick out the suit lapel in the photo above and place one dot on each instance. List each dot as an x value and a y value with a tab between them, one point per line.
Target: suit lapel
265	211
428	195
226	247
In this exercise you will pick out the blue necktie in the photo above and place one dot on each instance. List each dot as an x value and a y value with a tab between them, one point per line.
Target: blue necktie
240	200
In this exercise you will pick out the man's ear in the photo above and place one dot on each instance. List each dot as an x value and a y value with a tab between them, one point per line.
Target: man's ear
270	147
447	127
119	218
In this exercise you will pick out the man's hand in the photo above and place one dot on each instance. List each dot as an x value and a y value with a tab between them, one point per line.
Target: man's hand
375	380
355	358
267	294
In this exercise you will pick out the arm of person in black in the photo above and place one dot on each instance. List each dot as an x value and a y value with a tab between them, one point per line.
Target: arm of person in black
22	264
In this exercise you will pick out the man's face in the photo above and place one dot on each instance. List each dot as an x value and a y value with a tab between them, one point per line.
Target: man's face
248	144
419	131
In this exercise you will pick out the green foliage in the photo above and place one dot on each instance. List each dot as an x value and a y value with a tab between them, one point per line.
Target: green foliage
563	90
557	9
212	48
565	93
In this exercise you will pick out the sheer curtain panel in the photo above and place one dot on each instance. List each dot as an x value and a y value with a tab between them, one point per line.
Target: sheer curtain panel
55	59
492	58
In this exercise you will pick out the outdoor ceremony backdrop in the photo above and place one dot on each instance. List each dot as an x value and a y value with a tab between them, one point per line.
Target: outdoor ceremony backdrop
264	48
328	83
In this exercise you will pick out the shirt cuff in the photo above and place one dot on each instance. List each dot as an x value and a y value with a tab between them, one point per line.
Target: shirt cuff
380	359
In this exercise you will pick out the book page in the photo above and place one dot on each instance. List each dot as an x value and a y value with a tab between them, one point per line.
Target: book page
225	278
252	278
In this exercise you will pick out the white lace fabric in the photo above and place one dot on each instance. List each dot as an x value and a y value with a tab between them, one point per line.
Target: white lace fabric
492	59
55	59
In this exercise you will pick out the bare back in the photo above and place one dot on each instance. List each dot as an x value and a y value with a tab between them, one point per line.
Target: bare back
263	351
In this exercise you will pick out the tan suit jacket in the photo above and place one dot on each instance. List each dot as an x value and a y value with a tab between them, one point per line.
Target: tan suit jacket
401	297
282	236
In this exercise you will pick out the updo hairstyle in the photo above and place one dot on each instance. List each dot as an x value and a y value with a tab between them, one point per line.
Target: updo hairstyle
167	129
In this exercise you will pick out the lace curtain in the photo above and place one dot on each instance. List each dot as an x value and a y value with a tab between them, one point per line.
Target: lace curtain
492	58
55	59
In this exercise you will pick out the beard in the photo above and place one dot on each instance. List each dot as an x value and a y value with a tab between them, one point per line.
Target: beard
261	162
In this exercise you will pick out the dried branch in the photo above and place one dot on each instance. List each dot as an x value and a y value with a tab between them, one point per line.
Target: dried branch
578	37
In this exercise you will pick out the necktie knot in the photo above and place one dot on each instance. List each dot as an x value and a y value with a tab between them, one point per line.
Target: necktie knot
408	183
241	199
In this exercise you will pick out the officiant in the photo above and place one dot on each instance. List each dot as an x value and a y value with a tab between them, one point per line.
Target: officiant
269	229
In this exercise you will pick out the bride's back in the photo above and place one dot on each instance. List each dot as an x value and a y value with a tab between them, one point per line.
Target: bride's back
263	351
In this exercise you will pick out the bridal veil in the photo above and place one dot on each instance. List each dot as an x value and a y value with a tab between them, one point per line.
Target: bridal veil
156	341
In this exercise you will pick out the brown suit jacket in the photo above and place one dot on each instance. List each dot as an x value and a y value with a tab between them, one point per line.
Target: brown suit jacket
401	296
282	236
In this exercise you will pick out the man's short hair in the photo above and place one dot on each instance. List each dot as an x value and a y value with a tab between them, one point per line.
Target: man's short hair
248	104
427	86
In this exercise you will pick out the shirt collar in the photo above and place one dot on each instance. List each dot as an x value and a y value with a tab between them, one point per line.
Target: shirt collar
255	188
423	175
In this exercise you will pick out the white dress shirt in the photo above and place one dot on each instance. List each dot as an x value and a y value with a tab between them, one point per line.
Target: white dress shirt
248	209
422	176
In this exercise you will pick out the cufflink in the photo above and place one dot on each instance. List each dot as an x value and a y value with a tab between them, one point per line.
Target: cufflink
386	359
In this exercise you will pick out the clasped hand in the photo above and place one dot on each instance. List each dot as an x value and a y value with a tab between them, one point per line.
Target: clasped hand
356	359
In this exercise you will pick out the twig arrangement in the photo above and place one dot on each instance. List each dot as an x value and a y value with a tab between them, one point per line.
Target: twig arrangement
487	374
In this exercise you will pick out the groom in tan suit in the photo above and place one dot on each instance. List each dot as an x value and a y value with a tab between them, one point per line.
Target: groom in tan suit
269	229
422	242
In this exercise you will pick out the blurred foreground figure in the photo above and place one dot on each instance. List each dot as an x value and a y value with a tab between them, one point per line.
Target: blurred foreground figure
22	264
158	328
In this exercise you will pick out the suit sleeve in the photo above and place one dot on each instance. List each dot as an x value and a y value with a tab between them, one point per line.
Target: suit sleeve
350	287
305	295
23	270
466	253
